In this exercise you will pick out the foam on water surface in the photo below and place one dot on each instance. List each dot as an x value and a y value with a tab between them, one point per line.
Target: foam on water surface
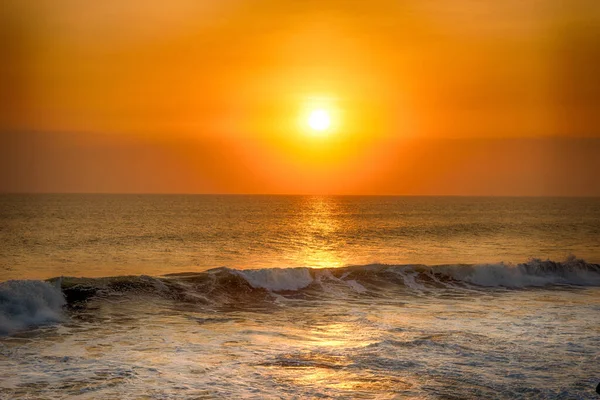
29	303
278	279
324	340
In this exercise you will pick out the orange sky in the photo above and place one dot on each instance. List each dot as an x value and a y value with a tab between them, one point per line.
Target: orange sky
428	97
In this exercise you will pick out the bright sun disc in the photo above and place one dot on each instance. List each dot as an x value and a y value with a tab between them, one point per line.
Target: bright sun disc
319	120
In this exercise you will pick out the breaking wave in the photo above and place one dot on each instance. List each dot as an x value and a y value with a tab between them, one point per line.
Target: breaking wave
229	286
27	303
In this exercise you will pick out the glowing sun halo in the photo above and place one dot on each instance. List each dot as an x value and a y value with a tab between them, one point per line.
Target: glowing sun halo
319	120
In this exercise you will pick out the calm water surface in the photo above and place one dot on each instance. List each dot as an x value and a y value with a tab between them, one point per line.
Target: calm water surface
43	236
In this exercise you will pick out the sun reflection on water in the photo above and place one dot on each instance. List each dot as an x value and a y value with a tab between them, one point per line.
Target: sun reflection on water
319	242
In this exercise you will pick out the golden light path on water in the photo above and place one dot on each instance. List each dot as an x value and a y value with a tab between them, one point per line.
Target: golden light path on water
115	235
319	246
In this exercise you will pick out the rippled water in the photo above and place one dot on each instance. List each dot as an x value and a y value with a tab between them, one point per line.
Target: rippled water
393	326
43	236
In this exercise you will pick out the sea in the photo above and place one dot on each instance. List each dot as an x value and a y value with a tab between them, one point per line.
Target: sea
265	297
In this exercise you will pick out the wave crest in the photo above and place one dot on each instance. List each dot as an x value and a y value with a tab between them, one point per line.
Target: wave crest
535	272
25	303
277	279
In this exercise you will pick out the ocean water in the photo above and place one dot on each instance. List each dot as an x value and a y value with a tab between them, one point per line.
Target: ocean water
125	296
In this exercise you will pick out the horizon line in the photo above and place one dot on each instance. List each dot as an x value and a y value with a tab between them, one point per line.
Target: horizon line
295	194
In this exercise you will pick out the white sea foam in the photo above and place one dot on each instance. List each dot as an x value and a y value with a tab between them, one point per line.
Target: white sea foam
409	277
325	275
25	303
533	273
277	279
357	287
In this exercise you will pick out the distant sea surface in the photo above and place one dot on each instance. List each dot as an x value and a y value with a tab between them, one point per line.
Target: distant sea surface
42	236
177	296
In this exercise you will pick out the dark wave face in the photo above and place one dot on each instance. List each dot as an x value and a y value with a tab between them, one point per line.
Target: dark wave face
225	285
24	303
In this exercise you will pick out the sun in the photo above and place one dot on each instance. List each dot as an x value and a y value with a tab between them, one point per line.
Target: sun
319	120
319	116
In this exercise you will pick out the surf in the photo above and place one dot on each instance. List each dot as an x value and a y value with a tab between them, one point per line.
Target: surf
25	303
